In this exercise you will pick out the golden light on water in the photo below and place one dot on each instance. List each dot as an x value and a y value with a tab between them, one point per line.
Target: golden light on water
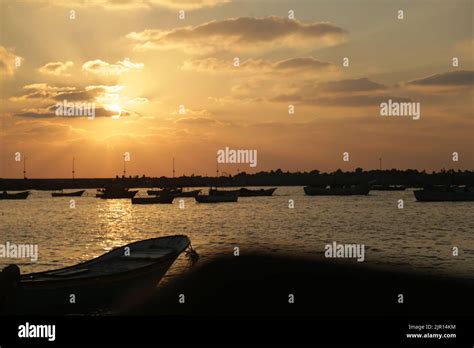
115	219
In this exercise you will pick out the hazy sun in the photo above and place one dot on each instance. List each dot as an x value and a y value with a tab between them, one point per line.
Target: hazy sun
115	108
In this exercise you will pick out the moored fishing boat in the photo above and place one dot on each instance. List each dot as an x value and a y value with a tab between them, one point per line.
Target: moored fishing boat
217	192
445	194
345	190
115	193
244	192
217	198
68	194
19	195
121	276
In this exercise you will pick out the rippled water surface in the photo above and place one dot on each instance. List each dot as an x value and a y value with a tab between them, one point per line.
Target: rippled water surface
421	235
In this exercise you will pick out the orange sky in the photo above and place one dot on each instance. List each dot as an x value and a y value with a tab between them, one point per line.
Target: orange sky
140	60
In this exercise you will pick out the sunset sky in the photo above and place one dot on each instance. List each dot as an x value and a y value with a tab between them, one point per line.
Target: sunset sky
139	59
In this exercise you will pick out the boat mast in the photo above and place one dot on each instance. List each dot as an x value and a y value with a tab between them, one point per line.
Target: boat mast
380	161
217	173
73	159
24	167
173	167
124	168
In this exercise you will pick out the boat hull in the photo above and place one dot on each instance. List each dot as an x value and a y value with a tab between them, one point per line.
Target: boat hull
19	195
217	198
243	192
68	194
443	196
231	193
91	295
42	293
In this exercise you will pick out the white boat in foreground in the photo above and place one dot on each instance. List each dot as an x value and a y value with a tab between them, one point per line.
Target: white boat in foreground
119	277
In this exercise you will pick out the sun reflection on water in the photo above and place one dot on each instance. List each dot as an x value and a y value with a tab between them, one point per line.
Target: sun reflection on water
115	218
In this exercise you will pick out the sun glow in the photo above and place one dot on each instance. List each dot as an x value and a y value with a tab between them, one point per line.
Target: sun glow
116	108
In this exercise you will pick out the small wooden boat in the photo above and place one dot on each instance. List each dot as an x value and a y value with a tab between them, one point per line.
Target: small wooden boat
217	198
68	194
361	189
161	199
19	195
116	193
217	192
388	188
445	194
119	277
244	192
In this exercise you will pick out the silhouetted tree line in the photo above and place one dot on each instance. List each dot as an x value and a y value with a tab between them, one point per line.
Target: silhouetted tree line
409	178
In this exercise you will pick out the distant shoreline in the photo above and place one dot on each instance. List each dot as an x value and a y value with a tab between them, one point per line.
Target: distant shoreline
409	178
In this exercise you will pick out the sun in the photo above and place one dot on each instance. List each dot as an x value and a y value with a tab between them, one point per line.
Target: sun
115	108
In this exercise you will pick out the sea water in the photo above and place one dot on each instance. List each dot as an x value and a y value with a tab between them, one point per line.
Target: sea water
421	236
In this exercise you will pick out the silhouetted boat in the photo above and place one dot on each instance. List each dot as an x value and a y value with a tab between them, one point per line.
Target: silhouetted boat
346	190
218	198
68	194
19	195
119	277
445	194
244	192
161	199
388	187
115	193
217	192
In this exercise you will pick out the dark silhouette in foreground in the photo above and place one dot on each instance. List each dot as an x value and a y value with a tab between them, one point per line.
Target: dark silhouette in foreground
260	285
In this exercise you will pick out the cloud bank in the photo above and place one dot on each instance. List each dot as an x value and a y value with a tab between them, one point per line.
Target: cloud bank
243	33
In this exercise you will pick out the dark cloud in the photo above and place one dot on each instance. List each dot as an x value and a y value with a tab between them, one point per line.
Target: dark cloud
105	99
240	33
448	79
351	85
339	101
306	65
344	93
41	91
49	93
